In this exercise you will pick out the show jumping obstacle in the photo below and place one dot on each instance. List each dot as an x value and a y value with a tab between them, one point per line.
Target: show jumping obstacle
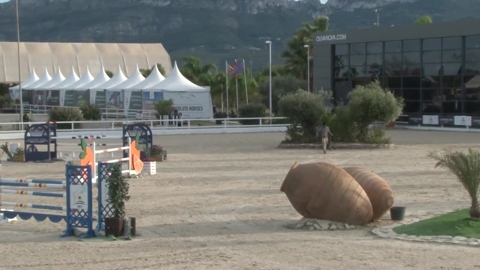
78	209
94	159
46	135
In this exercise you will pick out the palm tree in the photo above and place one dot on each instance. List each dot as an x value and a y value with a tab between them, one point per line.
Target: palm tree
198	74
296	54
109	73
146	72
466	166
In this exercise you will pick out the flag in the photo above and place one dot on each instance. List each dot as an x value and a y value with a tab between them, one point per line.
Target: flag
230	69
238	68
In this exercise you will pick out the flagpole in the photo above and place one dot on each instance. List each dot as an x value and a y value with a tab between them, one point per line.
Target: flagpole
236	85
226	86
245	76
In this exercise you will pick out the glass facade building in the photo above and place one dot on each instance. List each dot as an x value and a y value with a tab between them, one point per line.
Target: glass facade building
435	68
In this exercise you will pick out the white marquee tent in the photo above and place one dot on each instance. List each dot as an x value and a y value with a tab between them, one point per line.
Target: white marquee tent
135	93
52	83
101	78
84	80
71	79
133	80
33	78
15	91
43	80
117	79
193	101
154	78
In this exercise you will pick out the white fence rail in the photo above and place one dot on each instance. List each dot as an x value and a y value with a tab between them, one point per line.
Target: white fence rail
14	130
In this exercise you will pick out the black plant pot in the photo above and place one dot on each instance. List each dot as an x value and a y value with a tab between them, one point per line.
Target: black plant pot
114	226
397	212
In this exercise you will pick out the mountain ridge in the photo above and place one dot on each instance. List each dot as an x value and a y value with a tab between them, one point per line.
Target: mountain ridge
213	30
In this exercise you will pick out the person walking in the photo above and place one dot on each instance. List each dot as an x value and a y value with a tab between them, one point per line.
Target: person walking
26	119
325	134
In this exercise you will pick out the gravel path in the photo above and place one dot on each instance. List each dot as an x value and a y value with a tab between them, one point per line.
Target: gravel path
216	204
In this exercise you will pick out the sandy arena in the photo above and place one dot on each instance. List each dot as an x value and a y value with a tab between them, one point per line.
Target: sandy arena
216	204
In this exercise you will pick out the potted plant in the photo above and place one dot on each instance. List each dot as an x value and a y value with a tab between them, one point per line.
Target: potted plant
149	164
156	152
19	156
117	190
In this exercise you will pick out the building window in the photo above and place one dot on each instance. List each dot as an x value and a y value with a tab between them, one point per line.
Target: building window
431	106
374	59
375	65
432	44
472	68
393	82
432	69
411	58
341	66
411	64
357	60
411	45
452	69
452	43
374	47
412	83
432	57
411	107
452	56
411	94
472	55
393	46
472	42
453	107
472	100
358	71
357	48
341	49
393	64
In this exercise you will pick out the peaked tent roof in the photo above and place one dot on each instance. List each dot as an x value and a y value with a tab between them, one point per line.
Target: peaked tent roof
176	82
117	79
154	78
134	79
33	78
86	78
56	80
101	78
43	80
71	79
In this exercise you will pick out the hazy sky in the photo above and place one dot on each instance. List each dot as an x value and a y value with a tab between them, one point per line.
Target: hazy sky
321	1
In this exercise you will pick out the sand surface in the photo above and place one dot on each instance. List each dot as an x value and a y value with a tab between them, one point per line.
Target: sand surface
216	204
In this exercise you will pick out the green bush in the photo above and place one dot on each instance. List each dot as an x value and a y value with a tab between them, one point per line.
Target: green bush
377	136
342	125
304	110
60	114
5	101
370	103
281	86
91	112
163	107
251	110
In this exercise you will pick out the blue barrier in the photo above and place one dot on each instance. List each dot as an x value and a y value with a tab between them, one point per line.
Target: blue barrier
79	200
